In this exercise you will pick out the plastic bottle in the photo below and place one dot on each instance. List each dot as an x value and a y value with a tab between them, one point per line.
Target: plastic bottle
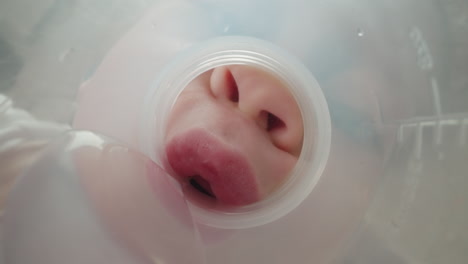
365	193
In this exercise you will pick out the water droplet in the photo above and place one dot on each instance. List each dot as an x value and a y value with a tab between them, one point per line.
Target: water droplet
360	32
226	28
65	54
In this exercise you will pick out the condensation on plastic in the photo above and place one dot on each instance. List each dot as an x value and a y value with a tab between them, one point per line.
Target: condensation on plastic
394	76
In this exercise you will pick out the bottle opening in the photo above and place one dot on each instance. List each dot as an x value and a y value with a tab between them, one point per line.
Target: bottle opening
242	126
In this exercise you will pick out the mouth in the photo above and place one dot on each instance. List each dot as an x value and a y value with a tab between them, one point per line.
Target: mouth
202	186
212	169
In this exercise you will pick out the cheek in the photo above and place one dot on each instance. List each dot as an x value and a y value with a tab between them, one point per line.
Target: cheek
272	166
188	110
274	170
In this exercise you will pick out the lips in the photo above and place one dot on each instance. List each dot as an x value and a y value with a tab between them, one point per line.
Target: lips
212	168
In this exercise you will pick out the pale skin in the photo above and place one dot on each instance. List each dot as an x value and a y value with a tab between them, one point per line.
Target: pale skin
250	120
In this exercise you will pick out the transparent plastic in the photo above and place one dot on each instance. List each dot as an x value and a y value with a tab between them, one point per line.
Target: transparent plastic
78	204
393	74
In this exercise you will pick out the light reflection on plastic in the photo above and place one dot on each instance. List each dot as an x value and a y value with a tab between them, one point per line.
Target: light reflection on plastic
85	138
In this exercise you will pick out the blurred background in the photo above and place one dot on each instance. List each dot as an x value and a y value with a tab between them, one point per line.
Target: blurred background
49	47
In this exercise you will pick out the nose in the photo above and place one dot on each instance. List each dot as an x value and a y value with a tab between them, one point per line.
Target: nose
263	98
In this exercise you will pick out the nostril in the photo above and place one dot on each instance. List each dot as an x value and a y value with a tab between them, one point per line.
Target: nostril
223	85
232	89
274	122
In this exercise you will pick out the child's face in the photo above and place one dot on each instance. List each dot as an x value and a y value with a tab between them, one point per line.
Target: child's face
234	134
